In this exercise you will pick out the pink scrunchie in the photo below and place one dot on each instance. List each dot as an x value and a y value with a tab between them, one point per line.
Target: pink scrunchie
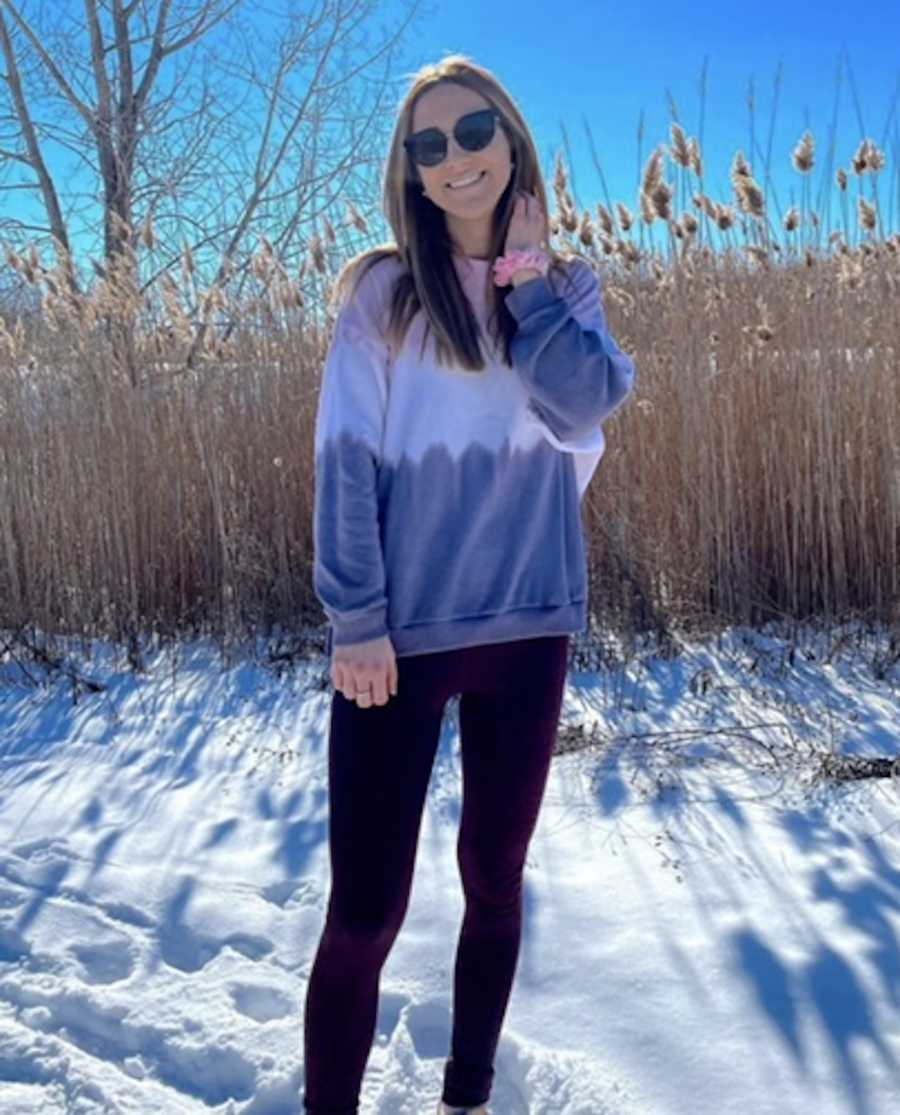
520	259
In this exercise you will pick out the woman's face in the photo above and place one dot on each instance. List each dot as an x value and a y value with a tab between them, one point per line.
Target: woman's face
440	107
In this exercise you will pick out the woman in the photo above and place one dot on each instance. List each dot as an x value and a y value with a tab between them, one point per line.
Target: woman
449	555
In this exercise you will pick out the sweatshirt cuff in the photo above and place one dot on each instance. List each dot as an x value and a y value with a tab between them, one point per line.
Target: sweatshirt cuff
357	627
531	295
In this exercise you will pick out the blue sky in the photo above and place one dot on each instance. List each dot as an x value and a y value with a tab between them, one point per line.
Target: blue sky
611	62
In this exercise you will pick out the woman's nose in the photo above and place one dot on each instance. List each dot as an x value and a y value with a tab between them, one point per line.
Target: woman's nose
455	150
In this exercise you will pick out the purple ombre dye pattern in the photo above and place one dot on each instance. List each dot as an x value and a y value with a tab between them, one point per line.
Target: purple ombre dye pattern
447	503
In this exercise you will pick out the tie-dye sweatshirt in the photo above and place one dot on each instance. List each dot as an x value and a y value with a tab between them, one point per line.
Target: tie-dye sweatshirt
448	503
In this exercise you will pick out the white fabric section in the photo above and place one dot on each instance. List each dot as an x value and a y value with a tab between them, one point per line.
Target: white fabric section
432	404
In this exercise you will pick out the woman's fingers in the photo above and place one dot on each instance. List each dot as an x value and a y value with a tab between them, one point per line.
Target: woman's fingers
366	672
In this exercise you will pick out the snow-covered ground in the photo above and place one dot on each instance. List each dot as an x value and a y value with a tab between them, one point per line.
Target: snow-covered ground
706	931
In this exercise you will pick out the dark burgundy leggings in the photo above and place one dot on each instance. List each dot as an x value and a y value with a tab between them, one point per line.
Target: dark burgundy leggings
379	765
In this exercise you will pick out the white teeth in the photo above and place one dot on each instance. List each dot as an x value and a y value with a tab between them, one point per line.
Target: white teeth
465	181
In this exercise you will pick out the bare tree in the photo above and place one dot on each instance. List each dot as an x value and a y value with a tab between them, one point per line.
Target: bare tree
260	130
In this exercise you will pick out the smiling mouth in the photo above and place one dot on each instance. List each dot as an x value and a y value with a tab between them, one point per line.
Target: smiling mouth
470	185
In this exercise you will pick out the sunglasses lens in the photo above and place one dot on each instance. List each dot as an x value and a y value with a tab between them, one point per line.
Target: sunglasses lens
475	130
430	148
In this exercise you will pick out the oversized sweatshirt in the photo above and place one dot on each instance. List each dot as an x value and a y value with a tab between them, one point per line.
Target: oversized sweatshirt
447	507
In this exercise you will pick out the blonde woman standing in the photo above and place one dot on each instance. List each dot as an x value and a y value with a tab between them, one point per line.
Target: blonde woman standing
458	426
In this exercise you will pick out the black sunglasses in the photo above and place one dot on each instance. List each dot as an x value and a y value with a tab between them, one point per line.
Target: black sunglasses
472	131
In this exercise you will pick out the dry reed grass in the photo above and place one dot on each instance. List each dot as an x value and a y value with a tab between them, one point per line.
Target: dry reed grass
156	445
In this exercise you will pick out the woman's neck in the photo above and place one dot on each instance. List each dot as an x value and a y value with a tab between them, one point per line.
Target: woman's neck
470	240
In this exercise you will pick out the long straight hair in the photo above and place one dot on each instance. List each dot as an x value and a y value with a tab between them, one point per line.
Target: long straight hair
429	281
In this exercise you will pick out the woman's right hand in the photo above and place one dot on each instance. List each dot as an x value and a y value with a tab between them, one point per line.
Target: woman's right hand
365	672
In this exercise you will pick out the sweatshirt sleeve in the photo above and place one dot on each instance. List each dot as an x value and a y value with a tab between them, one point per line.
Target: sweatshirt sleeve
573	370
348	567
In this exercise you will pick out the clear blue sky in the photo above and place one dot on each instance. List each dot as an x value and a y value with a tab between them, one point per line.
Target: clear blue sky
609	63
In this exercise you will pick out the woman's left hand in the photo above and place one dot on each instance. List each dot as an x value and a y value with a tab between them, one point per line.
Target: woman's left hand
527	227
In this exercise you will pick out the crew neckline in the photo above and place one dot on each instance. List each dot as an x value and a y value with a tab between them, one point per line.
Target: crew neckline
472	261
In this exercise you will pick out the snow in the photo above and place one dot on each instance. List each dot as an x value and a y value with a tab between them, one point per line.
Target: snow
707	930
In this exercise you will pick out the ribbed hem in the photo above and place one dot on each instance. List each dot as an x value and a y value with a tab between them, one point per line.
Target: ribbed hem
453	634
524	623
